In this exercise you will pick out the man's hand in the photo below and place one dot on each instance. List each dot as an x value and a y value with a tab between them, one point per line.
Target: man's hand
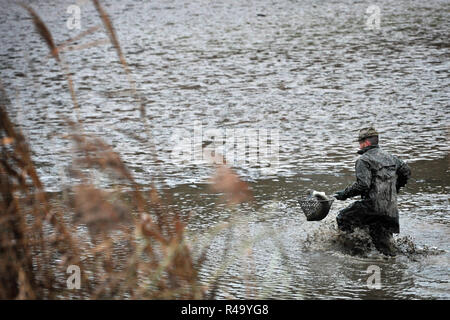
339	195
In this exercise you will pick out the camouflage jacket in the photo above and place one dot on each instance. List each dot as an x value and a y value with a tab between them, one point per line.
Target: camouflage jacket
379	177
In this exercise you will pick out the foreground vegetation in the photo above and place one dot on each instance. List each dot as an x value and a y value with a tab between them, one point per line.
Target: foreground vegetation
124	249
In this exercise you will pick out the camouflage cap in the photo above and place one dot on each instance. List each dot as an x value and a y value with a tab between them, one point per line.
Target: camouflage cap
366	133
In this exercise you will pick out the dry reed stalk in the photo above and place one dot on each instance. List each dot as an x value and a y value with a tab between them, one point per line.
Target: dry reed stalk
47	36
115	42
83	34
95	43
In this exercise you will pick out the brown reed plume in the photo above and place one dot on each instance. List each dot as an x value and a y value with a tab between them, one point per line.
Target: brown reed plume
54	51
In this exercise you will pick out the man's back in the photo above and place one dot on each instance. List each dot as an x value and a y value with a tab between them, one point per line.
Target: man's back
384	172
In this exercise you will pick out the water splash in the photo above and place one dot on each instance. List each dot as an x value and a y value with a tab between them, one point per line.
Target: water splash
327	237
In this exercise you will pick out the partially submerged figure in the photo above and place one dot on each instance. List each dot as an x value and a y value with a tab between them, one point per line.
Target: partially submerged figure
379	177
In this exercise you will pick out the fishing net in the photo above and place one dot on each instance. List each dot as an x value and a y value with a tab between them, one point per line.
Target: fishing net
315	209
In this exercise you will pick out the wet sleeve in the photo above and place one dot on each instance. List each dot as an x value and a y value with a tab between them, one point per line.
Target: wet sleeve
363	180
403	173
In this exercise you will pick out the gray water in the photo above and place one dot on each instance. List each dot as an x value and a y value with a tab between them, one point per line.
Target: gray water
311	70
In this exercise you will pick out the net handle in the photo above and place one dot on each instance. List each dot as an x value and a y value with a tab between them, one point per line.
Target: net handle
331	199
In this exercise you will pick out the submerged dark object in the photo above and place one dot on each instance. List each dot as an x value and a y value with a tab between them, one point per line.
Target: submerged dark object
316	205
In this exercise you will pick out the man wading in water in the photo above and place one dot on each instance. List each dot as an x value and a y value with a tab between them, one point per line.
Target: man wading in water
379	177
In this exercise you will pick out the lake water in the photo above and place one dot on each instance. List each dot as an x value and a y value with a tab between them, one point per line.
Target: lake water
310	73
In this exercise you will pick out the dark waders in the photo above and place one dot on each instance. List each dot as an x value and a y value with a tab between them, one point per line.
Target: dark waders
357	215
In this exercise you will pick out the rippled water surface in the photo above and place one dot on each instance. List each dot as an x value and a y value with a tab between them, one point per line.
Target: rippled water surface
309	69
